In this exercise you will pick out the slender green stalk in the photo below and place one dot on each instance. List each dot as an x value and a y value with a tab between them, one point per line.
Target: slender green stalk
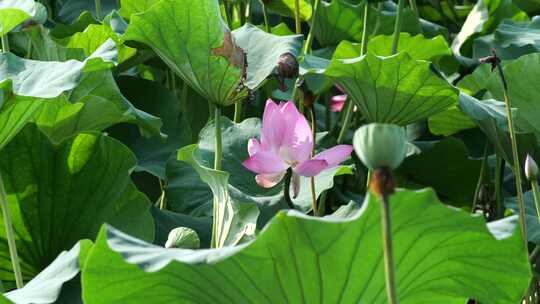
368	177
346	120
480	178
98	9
388	251
162	202
238	111
536	195
312	179
287	188
297	17
247	11
349	103
6	214
414	8
365	34
309	40
218	145
5	44
397	27
224	12
515	155
499	176
265	16
236	16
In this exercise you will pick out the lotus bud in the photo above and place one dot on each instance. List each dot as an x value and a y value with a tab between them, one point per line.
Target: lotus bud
380	145
183	237
287	67
531	168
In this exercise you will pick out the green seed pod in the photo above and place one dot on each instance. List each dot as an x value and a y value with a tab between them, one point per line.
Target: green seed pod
183	237
380	145
531	168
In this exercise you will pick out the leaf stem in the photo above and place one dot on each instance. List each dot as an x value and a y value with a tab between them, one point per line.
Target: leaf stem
312	179
480	178
265	16
515	155
397	26
287	188
386	223
247	11
499	176
297	17
346	120
218	145
365	34
6	214
237	111
98	9
309	40
5	44
414	8
536	195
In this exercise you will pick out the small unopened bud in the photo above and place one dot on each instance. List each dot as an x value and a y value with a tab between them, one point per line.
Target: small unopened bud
287	67
380	145
531	168
183	237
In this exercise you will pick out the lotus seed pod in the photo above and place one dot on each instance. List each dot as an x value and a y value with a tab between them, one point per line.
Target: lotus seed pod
183	237
380	145
531	168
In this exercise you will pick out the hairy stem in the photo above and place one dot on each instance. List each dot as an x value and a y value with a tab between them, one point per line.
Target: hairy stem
287	188
480	178
397	26
365	34
98	9
388	251
309	40
265	16
536	195
238	111
499	176
515	155
312	179
297	17
6	214
217	125
5	44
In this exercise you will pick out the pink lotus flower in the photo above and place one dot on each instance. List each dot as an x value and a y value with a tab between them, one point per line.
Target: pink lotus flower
337	103
287	142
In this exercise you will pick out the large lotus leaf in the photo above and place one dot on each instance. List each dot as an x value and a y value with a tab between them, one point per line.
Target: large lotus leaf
48	285
439	164
93	37
80	24
14	116
287	7
532	7
512	39
263	51
61	194
153	153
395	89
15	12
418	47
339	20
490	117
186	193
45	48
442	255
50	79
193	40
531	215
130	7
484	18
450	122
522	75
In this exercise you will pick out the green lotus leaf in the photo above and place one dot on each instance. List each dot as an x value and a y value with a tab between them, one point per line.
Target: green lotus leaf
293	260
61	194
395	89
